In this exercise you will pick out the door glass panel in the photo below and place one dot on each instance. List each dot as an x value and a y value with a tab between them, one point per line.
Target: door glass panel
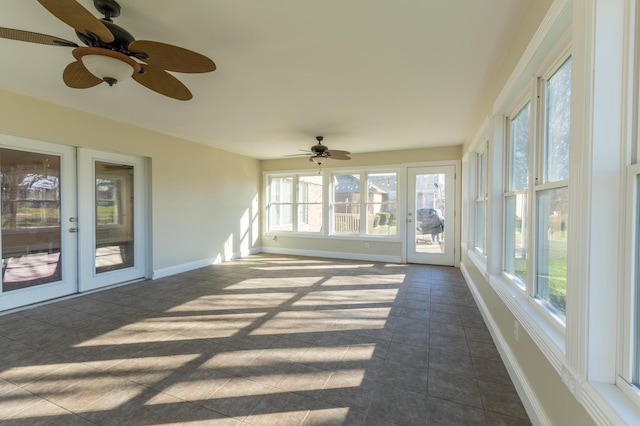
429	214
30	208
114	216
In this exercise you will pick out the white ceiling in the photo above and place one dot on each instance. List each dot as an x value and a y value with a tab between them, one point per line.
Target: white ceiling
369	75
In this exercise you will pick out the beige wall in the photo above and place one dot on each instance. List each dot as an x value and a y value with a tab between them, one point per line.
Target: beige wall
201	197
368	159
523	31
559	405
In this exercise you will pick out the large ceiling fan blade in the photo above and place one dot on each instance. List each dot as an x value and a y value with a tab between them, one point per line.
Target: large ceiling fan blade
162	82
31	37
76	16
76	76
338	155
171	58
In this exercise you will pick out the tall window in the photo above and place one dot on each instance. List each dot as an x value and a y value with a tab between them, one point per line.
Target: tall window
283	201
552	192
281	204
481	200
365	203
515	198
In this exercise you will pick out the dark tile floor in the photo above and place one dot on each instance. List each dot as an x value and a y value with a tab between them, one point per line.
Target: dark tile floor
266	340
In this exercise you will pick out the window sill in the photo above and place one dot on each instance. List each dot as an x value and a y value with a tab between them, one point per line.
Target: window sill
542	329
376	238
479	261
608	404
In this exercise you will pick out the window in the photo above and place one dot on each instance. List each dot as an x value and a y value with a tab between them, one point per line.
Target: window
309	203
635	266
515	198
381	204
481	200
283	202
552	192
353	207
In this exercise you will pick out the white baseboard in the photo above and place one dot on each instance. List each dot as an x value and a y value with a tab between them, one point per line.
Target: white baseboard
531	403
334	255
186	267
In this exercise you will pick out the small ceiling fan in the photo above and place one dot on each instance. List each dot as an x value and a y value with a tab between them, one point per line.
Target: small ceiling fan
112	54
319	153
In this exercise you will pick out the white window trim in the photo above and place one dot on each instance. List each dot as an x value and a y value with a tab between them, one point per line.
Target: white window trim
327	226
527	97
481	197
581	359
632	279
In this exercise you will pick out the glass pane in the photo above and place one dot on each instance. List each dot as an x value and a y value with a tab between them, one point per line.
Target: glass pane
281	217
551	248
309	217
380	220
382	206
516	237
429	214
114	216
346	204
636	327
310	189
281	190
519	150
310	203
558	109
31	252
482	170
479	238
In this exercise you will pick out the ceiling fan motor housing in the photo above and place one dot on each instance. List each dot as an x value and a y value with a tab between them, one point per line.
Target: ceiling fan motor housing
121	42
319	149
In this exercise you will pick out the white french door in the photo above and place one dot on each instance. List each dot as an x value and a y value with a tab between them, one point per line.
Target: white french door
38	208
72	220
430	215
112	212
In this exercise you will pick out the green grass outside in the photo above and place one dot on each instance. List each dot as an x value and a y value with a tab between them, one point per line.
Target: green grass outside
557	270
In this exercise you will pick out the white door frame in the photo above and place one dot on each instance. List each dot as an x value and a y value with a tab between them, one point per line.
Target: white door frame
89	279
455	205
77	222
68	210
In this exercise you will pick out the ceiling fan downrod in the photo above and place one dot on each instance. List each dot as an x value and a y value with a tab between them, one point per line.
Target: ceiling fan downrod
109	8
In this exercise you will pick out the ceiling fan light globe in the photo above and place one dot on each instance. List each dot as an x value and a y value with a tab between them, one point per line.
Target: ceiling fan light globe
318	159
107	68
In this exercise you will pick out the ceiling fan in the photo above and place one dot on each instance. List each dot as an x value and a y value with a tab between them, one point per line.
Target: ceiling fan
112	54
319	153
